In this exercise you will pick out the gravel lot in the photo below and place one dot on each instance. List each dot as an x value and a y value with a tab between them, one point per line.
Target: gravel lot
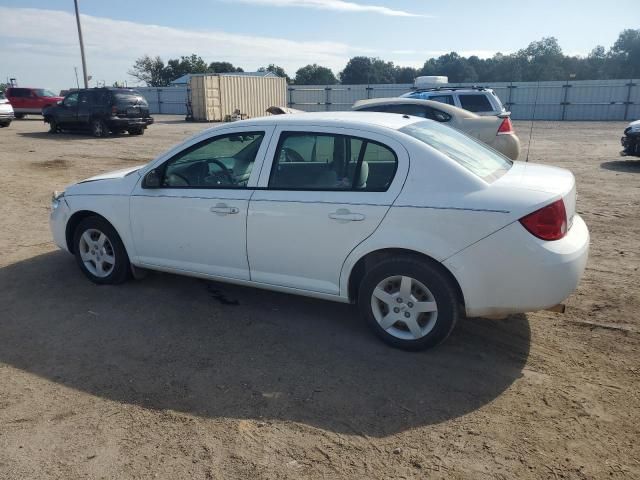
171	377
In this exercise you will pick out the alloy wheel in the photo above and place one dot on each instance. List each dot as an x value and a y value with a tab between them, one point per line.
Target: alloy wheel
97	253
404	307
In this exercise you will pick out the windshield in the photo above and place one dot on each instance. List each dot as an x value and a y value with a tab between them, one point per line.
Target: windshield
471	154
43	92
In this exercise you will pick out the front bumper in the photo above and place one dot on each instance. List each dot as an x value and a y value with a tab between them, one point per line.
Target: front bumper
58	223
527	274
6	115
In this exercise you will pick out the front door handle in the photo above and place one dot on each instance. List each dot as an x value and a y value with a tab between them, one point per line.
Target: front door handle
224	209
345	215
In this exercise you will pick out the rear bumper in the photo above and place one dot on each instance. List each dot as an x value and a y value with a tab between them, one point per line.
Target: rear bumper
6	116
528	274
130	122
508	145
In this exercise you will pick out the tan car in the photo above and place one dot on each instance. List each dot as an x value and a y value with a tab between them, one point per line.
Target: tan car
496	131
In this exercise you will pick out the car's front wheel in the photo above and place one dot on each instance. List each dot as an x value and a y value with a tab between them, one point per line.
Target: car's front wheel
99	128
5	124
53	125
99	251
136	131
409	303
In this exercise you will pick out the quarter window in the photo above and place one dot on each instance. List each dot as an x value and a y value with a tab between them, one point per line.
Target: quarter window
320	161
219	162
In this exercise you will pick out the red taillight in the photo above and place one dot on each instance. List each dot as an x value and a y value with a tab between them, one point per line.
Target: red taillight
506	127
548	223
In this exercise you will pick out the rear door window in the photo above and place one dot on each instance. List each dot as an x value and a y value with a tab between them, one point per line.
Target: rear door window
20	92
448	99
331	162
475	102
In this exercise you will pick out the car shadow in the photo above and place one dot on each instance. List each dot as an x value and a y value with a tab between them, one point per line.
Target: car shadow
70	135
214	350
629	166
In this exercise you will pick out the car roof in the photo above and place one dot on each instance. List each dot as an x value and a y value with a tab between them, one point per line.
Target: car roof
391	121
450	109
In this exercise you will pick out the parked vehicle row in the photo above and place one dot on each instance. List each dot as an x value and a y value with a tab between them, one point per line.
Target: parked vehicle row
415	222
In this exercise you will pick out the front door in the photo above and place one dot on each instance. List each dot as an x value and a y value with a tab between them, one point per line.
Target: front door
322	193
196	220
67	113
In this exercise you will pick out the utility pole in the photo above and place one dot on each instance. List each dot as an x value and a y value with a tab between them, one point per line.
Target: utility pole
84	62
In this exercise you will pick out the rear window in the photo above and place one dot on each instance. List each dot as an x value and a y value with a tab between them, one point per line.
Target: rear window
471	154
475	102
129	97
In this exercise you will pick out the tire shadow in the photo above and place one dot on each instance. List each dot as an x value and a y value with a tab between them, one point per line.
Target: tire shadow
216	350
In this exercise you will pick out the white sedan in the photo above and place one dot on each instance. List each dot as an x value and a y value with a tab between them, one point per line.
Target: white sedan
415	222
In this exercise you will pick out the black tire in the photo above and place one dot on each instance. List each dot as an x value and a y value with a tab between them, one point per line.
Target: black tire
441	290
99	128
136	131
5	124
53	125
19	116
120	270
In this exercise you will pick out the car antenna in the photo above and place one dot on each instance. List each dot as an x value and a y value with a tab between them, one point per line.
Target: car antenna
535	105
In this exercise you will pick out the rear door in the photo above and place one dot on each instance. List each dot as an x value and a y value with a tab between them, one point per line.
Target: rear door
322	192
86	101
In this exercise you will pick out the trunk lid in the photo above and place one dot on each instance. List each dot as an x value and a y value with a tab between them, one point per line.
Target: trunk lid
558	182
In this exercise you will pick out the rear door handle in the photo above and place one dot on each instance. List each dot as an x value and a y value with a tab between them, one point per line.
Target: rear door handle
224	209
345	215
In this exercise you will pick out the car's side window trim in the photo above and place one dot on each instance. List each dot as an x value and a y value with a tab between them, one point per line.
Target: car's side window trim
283	134
161	169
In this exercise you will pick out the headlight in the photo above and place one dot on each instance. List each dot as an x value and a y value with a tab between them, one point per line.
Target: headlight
56	198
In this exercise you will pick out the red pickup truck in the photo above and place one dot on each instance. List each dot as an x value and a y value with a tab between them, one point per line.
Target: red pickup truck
30	100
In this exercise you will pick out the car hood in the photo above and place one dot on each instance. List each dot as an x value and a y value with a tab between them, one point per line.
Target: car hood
120	182
112	175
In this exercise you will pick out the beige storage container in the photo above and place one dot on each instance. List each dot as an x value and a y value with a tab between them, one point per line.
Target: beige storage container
215	98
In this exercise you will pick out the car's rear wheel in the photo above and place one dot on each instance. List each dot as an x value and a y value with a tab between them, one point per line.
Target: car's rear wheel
136	131
99	251
19	116
409	303
99	128
4	124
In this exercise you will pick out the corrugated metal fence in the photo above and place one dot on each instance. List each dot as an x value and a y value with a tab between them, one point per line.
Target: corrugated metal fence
572	100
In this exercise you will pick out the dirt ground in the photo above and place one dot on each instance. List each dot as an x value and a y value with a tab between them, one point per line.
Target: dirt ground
171	377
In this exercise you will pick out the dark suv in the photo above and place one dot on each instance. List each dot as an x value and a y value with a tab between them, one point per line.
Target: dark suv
102	110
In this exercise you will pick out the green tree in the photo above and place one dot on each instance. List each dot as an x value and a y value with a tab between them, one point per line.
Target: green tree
625	54
361	70
404	74
275	69
223	67
151	71
184	65
315	75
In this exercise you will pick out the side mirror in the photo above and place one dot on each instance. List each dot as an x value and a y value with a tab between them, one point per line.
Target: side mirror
153	179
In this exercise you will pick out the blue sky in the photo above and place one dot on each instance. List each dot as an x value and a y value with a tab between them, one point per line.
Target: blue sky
38	40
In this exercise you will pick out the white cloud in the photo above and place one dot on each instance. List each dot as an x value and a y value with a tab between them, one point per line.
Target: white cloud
337	5
40	47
